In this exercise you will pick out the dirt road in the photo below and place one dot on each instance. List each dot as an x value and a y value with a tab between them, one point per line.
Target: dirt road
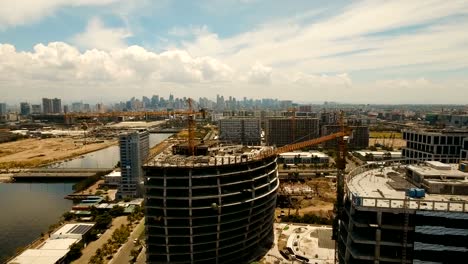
35	152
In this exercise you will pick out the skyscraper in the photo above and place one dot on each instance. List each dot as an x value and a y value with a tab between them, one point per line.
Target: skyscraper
2	109
47	106
3	112
56	106
25	109
36	108
134	149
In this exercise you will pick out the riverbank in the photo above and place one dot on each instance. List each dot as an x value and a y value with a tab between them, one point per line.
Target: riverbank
30	153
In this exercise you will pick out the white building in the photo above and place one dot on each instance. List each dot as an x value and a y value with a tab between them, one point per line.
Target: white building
134	149
303	157
55	249
113	179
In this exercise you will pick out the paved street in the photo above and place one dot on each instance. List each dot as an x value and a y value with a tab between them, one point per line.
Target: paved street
142	257
123	255
89	251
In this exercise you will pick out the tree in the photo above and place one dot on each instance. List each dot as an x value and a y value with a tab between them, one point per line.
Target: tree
369	156
103	221
75	251
387	155
67	216
116	211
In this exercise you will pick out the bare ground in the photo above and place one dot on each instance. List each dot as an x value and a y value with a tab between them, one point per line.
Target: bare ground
29	153
397	143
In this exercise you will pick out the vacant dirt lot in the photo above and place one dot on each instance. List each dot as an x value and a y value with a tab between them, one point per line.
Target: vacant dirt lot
397	143
35	152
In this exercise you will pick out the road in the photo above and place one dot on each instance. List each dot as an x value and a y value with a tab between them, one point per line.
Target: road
123	255
89	251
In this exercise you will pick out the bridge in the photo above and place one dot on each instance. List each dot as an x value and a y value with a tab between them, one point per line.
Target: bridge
58	173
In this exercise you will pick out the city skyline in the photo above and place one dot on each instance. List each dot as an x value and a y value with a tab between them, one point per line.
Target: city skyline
358	52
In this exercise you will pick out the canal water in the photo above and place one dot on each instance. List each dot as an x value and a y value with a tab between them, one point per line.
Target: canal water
104	158
27	209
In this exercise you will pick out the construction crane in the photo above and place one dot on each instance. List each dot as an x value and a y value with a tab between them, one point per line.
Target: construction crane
341	166
70	116
191	129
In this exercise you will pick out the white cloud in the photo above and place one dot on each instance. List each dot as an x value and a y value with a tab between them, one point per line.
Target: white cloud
97	36
291	58
344	42
59	65
259	74
59	69
20	12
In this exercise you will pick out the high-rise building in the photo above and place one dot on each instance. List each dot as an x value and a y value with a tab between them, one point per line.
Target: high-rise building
77	107
438	145
56	106
36	109
25	109
284	131
215	207
245	131
134	149
378	225
47	107
3	110
86	108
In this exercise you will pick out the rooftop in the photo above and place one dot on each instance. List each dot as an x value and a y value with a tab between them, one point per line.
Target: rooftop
114	173
379	153
385	187
216	154
38	256
308	154
76	229
55	244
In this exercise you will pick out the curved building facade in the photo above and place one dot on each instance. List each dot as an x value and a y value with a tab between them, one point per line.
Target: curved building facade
217	210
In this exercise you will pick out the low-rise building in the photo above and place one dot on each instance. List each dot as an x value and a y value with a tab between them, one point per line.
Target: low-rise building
300	157
55	249
113	179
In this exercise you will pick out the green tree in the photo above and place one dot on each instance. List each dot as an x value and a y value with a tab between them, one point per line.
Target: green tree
103	221
75	251
116	211
67	216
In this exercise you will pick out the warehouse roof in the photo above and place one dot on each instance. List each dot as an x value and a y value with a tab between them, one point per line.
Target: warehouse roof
38	256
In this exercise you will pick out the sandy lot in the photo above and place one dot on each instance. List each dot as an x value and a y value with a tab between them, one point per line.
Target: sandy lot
397	143
34	152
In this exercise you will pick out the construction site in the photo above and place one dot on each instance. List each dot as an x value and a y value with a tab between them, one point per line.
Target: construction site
208	201
58	137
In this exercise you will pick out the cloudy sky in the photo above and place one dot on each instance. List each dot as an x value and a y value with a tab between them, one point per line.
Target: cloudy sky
401	51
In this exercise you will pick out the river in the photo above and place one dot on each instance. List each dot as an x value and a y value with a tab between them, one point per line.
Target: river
104	158
27	209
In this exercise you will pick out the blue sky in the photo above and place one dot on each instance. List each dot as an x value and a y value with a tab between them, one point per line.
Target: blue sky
348	51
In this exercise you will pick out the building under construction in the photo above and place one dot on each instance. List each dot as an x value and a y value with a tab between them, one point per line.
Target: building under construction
405	211
216	206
